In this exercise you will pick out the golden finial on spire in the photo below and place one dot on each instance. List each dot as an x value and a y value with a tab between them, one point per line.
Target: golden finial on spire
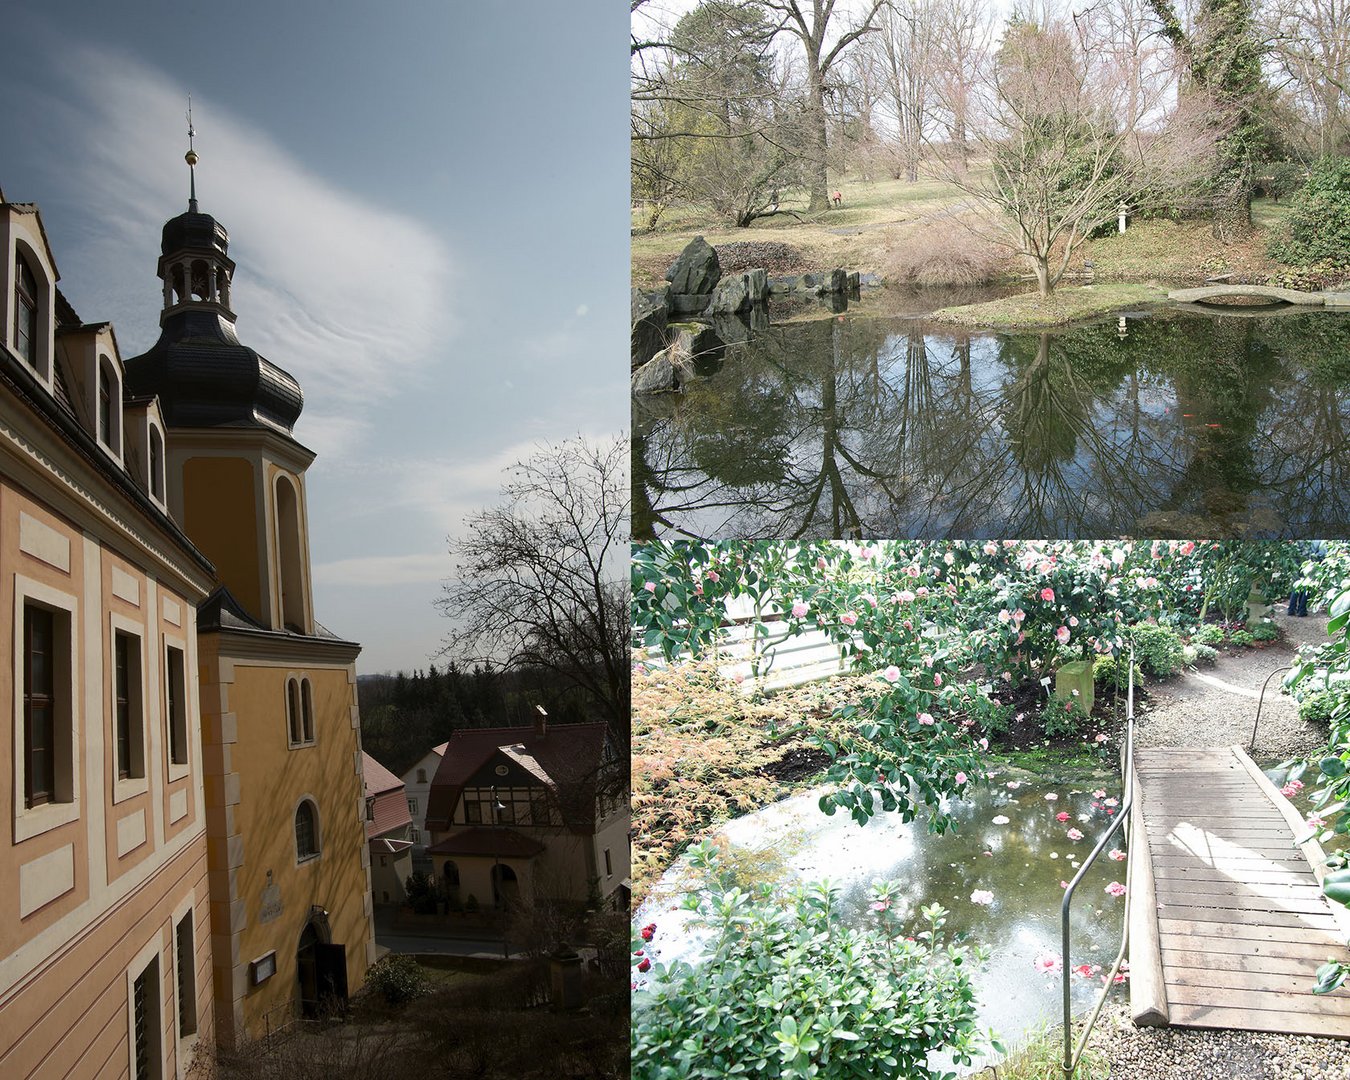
191	158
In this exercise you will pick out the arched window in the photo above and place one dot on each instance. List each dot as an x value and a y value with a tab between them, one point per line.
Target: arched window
451	872
293	711
105	405
156	464
289	550
306	711
25	310
306	831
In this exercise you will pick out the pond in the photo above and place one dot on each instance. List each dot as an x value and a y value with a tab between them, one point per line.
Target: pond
1160	423
1008	842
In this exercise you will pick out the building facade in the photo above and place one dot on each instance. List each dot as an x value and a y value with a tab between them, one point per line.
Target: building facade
106	922
388	825
521	814
417	789
187	860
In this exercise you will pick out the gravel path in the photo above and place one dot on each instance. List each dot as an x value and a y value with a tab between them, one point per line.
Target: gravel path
1215	706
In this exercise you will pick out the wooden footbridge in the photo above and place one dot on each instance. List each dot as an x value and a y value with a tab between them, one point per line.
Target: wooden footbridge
1227	920
1208	294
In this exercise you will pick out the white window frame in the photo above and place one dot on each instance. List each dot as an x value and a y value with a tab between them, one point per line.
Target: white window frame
131	786
177	770
33	821
305	860
148	955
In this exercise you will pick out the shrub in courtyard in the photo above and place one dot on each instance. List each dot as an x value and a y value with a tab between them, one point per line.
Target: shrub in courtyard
1112	671
1063	716
947	253
421	892
1205	655
1209	634
1317	708
1266	631
787	989
1243	638
1158	649
1317	230
397	978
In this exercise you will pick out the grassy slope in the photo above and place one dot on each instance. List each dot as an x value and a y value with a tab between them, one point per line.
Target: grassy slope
1068	303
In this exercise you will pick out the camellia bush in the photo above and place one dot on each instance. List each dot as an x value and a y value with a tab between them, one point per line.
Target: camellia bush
788	989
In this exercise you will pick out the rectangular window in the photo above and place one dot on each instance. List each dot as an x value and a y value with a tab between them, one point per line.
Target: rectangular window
412	806
414	836
609	864
539	810
185	959
175	705
128	719
473	812
384	860
39	704
145	1056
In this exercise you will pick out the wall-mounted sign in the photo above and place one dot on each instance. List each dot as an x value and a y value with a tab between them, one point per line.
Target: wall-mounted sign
263	968
271	906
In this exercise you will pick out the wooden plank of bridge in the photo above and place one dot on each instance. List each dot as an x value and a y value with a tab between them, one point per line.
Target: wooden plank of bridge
1241	923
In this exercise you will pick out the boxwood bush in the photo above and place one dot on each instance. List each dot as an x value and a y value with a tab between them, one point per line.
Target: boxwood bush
1158	649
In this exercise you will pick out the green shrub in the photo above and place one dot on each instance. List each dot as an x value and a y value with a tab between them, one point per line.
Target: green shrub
397	978
1266	631
1243	638
1106	670
1317	708
421	890
1209	634
1158	649
788	989
1205	655
998	718
1317	230
1064	716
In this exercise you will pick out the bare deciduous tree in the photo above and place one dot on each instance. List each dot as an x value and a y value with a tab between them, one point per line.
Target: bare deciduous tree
541	580
1312	51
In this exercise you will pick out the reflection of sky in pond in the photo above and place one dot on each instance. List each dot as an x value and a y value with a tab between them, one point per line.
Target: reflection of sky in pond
1021	863
1189	423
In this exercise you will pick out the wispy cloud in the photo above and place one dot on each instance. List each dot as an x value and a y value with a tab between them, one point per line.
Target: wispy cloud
384	570
348	296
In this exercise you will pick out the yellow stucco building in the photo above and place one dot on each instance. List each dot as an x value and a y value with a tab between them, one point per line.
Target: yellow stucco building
291	930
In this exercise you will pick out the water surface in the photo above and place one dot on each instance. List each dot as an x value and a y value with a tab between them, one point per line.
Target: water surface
1164	423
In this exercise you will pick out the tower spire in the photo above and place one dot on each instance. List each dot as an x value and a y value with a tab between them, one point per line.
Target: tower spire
191	158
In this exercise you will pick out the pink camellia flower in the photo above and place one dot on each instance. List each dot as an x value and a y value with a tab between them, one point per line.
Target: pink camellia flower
982	896
698	589
1292	788
990	548
912	570
1051	796
1101	737
1086	971
906	596
1315	821
891	674
1063	884
1117	854
1048	963
926	720
1063	635
949	558
647	933
984	744
865	553
1004	615
739	677
960	778
868	598
1048	595
937	680
1110	802
1063	815
1187	547
1007	676
1013	785
712	576
927	661
644	965
799	609
1074	834
650	586
1100	793
1073	620
908	625
848	618
821	562
880	905
1116	889
922	591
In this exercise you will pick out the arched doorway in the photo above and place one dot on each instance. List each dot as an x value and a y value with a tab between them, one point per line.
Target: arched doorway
505	887
450	878
321	968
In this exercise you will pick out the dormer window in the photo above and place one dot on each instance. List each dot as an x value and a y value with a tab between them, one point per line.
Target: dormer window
104	406
25	311
156	465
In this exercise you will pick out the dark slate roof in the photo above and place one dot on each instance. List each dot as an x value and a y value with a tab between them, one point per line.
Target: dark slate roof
566	759
194	232
482	840
221	611
205	377
65	314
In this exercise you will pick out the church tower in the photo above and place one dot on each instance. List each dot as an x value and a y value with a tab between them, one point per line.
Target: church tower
289	865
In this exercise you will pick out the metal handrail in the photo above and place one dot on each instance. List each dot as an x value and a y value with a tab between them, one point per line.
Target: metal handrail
1262	700
1072	1055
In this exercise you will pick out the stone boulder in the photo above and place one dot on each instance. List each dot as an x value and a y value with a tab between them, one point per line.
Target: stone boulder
693	276
649	324
695	346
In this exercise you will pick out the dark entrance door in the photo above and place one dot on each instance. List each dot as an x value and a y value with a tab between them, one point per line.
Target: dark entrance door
331	964
307	965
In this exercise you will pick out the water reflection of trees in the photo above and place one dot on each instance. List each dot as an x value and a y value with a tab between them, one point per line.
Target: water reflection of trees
845	427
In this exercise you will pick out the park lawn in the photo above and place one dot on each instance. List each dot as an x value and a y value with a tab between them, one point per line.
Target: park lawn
1068	303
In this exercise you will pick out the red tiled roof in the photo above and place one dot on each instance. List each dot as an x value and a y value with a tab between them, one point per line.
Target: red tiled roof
566	759
481	840
376	777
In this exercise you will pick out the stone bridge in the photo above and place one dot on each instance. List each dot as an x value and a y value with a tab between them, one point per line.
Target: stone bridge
1209	293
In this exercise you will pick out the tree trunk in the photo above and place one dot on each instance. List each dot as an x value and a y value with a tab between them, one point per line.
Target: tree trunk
1233	205
1042	264
816	141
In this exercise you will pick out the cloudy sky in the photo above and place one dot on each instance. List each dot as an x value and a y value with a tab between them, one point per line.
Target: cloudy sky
427	203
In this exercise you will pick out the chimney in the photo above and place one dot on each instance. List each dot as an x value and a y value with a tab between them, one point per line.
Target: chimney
540	722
